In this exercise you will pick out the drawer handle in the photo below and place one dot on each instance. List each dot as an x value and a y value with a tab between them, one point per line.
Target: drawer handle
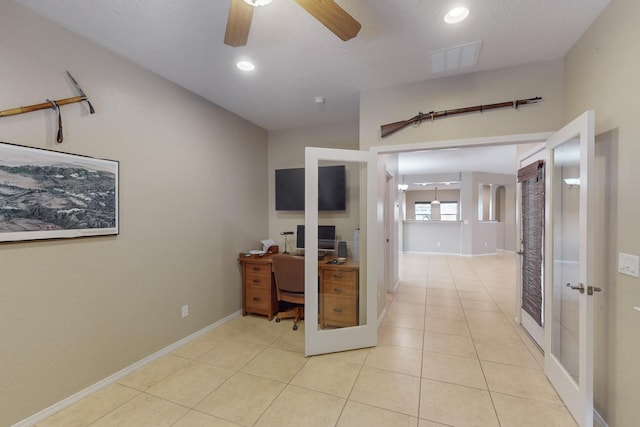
337	276
256	268
257	280
337	290
337	310
255	299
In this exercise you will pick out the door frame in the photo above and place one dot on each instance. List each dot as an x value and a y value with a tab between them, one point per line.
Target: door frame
390	241
382	150
517	139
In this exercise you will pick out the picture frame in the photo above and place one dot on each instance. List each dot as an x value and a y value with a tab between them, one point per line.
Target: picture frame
47	194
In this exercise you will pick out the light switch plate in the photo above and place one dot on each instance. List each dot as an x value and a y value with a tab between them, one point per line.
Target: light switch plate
629	264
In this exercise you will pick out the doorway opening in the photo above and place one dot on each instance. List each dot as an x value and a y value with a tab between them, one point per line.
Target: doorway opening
460	165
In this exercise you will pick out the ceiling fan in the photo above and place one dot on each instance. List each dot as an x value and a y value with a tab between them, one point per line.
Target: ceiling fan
332	16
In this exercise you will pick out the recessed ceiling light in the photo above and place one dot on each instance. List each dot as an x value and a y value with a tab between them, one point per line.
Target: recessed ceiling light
257	3
319	100
455	15
245	66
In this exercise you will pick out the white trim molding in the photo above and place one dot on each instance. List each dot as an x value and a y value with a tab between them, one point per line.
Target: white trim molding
598	421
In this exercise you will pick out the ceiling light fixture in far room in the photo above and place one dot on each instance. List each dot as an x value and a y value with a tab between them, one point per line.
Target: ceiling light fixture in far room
572	182
455	15
319	100
245	66
256	3
435	200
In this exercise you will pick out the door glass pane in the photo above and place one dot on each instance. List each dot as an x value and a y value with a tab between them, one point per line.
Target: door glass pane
566	256
341	294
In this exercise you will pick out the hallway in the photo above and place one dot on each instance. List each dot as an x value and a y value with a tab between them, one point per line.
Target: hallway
478	367
448	355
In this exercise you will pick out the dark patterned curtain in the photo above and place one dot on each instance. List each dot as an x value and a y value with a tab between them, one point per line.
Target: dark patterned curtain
532	179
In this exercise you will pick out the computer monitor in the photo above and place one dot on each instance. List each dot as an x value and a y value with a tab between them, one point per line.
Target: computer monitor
326	237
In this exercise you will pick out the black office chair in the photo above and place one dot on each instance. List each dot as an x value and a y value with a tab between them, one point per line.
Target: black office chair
289	274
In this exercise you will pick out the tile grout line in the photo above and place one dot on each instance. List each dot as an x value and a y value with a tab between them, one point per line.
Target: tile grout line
426	295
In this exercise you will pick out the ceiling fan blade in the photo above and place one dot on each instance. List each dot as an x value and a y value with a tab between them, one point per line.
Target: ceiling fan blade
238	23
333	17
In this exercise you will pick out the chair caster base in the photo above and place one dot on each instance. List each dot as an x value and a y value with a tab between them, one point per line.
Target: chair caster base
295	327
277	320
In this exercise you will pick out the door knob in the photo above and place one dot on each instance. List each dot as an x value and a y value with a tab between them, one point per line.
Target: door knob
579	287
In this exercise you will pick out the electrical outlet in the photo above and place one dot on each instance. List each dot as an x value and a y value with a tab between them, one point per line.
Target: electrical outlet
629	264
185	310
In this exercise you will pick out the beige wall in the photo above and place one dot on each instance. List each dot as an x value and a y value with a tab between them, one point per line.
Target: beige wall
602	74
286	150
192	195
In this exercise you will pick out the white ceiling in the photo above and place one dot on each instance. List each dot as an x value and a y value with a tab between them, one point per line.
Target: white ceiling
491	159
298	59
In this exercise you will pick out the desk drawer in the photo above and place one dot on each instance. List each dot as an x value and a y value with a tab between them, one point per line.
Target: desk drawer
339	289
258	280
259	269
258	299
339	311
339	277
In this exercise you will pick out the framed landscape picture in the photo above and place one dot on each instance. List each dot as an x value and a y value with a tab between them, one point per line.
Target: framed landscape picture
48	195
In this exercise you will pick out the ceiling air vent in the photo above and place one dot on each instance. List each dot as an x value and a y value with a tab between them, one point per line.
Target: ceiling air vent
455	58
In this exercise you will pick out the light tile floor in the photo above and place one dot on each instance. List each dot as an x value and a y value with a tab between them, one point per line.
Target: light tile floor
449	354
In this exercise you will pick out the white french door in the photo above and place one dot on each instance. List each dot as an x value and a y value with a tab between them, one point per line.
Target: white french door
569	266
359	303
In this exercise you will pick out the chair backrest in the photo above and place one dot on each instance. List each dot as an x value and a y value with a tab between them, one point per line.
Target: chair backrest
289	272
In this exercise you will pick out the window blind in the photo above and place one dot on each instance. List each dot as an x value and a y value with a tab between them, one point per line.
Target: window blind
532	179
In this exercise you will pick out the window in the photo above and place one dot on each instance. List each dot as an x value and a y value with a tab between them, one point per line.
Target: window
448	211
423	211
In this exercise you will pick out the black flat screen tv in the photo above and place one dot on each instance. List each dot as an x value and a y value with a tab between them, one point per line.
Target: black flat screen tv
331	189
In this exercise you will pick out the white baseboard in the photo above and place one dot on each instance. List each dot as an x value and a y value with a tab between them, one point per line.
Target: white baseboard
395	286
432	253
598	421
381	317
56	407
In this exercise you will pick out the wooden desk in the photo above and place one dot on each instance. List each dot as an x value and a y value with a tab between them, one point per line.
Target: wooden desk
339	290
338	287
258	286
